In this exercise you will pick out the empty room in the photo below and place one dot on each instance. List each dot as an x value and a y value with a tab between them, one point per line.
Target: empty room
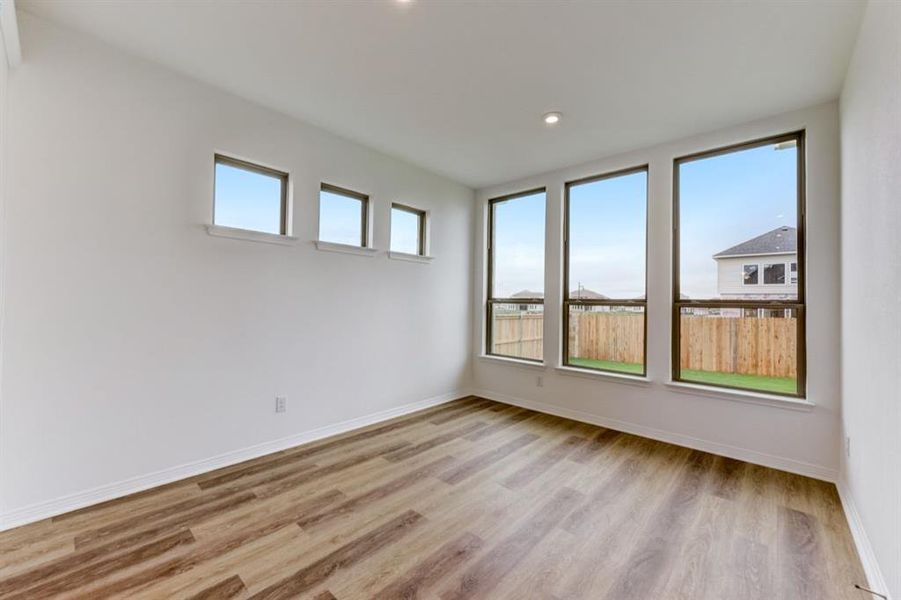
450	299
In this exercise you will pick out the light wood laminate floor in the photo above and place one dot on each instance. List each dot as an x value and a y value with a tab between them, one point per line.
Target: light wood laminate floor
472	499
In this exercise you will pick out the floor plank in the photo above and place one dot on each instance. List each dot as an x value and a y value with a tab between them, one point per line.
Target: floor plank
472	499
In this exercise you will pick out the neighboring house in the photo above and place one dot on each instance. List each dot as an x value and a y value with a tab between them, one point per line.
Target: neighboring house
578	294
527	307
583	293
762	268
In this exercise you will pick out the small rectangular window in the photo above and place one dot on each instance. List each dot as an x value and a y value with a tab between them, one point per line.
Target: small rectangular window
515	310
249	196
794	273
750	275
343	216
604	248
408	230
774	274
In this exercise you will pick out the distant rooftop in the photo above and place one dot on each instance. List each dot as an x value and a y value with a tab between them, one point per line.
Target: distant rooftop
528	294
586	294
778	241
579	294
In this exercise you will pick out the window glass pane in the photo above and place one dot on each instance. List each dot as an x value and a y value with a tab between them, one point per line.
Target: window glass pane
774	274
732	207
404	231
794	273
607	227
751	275
517	330
518	251
607	337
247	199
738	347
340	218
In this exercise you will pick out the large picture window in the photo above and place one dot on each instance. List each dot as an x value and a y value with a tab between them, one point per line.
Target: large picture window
515	307
738	320
605	240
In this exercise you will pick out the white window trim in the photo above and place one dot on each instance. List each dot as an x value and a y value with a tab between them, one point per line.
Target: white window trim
250	235
598	375
416	258
740	395
345	248
513	362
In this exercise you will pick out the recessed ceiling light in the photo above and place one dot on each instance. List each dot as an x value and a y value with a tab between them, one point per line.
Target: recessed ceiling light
552	118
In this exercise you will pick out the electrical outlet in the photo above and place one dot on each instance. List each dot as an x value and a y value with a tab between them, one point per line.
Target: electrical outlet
281	404
848	446
539	381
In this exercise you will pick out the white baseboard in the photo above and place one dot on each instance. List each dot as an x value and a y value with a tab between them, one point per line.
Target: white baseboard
875	579
58	506
751	456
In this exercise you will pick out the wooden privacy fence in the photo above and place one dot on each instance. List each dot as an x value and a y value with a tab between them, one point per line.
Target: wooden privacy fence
519	334
746	345
617	337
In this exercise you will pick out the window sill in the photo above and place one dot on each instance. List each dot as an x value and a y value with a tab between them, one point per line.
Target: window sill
512	362
741	396
417	258
639	380
248	235
345	248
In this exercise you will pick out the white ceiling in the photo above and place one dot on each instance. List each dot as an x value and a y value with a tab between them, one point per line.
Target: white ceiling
459	87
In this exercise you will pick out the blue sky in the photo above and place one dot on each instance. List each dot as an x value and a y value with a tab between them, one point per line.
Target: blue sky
247	200
724	201
727	199
404	231
519	245
607	236
340	219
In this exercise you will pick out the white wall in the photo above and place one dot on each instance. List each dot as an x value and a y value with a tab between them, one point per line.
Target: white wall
135	342
871	286
792	437
4	96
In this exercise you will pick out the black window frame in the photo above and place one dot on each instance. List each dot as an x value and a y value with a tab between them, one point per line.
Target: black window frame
569	302
364	211
491	301
237	163
420	230
798	304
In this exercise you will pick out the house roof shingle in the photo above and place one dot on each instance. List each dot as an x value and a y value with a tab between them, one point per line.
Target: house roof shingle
586	294
778	241
578	294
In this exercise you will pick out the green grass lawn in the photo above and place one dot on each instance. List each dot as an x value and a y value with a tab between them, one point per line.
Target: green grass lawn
607	365
779	385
